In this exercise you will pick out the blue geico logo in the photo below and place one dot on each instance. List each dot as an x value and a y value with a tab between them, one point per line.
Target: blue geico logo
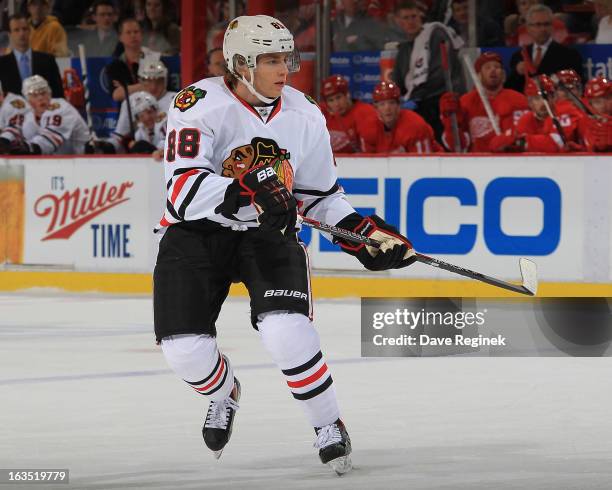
464	190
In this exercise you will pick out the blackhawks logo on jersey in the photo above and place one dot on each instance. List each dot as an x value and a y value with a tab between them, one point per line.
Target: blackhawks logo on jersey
188	97
261	151
18	103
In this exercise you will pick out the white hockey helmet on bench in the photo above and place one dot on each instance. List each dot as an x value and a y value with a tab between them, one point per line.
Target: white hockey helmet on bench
34	84
141	101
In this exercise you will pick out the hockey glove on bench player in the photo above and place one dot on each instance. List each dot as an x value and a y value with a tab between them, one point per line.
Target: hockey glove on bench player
261	187
394	253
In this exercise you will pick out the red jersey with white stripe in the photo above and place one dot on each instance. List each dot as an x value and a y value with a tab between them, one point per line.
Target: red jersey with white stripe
508	106
538	135
345	131
411	134
213	137
61	130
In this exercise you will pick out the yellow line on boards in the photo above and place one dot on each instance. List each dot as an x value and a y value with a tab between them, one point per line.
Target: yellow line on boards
323	286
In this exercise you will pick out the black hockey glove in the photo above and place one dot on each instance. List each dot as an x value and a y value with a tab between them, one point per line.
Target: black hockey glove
261	187
99	147
25	148
394	253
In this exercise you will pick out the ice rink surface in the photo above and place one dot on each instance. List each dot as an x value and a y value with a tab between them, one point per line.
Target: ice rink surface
83	386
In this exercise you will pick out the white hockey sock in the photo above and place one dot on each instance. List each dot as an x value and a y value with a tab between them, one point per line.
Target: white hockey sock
294	344
196	359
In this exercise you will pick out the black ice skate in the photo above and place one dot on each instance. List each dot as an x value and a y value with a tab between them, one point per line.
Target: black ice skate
217	428
334	446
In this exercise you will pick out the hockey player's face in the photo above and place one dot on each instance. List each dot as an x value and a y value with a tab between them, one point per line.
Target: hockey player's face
148	117
39	101
388	111
156	87
599	104
492	75
271	74
536	104
338	104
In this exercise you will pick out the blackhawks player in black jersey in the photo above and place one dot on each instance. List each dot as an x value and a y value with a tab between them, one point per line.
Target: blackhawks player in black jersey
244	154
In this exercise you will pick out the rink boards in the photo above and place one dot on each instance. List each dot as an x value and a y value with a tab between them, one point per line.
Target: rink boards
93	215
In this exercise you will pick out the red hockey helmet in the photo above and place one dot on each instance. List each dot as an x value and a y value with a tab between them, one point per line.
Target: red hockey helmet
531	89
597	87
485	58
386	91
336	84
569	78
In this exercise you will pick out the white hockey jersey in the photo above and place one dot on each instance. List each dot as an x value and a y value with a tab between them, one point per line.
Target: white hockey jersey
214	137
61	130
12	115
123	123
157	135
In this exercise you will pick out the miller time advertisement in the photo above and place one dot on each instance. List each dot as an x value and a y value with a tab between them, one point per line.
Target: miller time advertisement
86	219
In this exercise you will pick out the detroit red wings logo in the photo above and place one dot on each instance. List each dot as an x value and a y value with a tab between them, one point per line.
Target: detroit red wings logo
261	151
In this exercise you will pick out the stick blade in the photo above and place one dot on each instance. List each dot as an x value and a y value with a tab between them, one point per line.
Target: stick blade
529	272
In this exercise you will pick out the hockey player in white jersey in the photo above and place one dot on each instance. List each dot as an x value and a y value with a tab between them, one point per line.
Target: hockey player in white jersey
52	126
12	115
244	154
150	134
153	76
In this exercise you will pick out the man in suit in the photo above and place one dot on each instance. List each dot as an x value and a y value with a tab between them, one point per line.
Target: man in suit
545	55
22	62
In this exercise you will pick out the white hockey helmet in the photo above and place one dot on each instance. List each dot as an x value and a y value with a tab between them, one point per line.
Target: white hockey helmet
152	69
141	101
33	85
247	37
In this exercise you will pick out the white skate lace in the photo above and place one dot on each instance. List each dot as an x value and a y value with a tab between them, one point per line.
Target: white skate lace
328	435
219	413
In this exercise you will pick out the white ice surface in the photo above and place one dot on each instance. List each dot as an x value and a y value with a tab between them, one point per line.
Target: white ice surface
83	386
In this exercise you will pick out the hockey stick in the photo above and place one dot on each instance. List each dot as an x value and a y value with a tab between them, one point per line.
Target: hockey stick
481	91
550	111
528	268
449	88
83	60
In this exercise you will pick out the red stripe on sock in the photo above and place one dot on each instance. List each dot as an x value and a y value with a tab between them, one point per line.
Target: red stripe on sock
212	383
310	379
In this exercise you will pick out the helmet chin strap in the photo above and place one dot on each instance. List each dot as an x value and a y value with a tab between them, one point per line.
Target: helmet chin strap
251	89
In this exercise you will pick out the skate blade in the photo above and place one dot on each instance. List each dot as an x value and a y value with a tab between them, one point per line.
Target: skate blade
217	454
341	465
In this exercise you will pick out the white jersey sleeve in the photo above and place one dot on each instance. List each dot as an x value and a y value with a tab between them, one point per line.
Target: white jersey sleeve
12	116
194	190
61	130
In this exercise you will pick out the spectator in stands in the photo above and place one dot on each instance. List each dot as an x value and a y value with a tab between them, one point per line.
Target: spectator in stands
153	76
24	62
397	130
47	33
123	71
150	133
352	30
215	63
53	126
488	33
418	67
544	56
161	34
345	116
102	40
476	131
513	21
603	11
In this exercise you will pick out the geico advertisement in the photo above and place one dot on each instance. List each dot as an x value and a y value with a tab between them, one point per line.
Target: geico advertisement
90	215
484	213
